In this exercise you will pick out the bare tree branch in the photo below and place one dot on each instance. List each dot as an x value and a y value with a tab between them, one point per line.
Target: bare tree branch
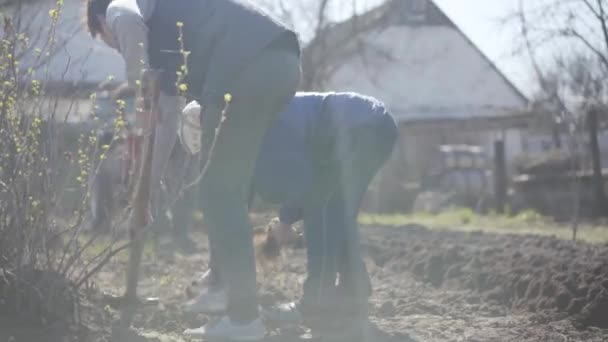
569	32
600	15
328	42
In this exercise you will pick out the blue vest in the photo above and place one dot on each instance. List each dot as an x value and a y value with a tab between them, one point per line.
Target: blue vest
222	36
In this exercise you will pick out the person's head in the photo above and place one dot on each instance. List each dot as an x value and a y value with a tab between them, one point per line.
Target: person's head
96	21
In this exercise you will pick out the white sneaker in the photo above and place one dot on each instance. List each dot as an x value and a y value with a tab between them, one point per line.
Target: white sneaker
201	285
204	279
224	329
208	302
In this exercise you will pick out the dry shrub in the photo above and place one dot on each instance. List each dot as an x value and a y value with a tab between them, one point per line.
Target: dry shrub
45	257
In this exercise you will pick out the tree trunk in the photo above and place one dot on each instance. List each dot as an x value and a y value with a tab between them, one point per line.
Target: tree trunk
598	181
557	140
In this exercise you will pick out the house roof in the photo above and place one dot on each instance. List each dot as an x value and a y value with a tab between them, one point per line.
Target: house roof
425	69
484	56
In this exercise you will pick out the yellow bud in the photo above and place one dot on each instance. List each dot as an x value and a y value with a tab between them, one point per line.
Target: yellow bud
227	97
183	87
179	24
197	215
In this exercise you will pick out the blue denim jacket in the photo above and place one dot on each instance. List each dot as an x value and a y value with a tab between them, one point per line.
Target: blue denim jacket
285	166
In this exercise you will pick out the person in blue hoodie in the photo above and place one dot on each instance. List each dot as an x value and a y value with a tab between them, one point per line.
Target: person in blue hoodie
317	161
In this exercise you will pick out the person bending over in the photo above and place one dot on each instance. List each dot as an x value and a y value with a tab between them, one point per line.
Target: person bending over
318	160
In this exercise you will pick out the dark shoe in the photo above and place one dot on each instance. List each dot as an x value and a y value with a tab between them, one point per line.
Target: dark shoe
209	302
226	330
323	320
290	315
283	315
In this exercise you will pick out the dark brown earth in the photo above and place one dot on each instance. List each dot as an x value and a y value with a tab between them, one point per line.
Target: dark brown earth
429	286
506	287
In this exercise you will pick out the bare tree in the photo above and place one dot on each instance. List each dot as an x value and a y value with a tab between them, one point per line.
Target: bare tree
567	45
331	30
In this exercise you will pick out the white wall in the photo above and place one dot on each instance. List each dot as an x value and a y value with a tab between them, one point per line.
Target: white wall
430	71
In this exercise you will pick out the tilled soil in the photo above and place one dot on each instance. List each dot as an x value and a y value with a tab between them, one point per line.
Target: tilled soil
428	286
451	286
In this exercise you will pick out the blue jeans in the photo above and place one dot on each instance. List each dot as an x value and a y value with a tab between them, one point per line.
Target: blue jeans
346	162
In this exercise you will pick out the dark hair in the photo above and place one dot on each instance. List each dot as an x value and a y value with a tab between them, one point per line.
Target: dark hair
95	8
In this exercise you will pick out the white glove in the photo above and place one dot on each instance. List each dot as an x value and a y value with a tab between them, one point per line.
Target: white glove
189	129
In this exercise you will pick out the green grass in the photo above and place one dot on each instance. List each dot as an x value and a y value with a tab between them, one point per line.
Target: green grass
527	222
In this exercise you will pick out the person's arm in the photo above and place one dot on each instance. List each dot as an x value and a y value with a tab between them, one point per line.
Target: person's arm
131	35
131	38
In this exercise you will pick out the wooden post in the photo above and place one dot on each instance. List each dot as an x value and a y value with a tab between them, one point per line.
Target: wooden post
557	140
500	176
598	180
141	197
